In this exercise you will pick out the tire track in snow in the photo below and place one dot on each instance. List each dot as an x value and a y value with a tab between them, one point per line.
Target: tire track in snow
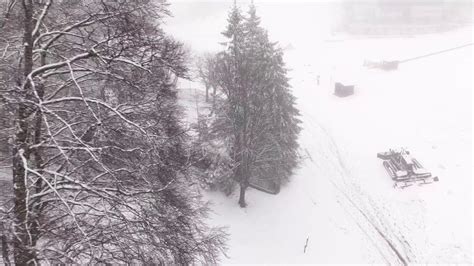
364	207
379	231
354	214
349	210
377	221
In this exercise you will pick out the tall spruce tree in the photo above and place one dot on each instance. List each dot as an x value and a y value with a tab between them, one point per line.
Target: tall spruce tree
259	106
232	80
276	144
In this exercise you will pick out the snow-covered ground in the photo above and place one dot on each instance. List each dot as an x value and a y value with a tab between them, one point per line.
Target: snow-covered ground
424	106
340	206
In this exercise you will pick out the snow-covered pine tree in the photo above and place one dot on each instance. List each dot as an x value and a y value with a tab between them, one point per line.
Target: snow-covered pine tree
275	124
259	108
232	74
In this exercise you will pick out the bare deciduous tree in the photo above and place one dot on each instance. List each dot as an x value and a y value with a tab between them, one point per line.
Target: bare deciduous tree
99	168
206	68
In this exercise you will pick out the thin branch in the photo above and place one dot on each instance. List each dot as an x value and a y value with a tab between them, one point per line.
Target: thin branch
41	17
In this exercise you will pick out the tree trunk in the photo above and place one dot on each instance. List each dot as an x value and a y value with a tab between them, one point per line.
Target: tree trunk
23	254
240	173
4	242
242	202
244	177
38	160
207	93
213	97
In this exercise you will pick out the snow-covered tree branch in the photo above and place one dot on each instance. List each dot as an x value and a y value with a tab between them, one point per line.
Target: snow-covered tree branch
99	167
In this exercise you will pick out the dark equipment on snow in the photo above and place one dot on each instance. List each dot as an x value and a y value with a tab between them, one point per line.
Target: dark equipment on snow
342	90
404	169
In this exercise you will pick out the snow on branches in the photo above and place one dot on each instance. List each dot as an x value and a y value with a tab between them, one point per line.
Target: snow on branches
98	160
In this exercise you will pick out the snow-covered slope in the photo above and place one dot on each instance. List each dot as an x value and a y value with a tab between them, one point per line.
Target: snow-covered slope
341	201
424	106
340	206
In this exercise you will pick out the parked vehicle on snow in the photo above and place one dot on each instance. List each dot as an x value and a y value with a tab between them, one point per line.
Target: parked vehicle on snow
404	169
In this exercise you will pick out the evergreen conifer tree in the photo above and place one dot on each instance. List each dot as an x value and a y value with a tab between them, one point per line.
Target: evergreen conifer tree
259	106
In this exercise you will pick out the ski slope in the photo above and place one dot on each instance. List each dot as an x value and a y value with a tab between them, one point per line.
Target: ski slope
340	206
